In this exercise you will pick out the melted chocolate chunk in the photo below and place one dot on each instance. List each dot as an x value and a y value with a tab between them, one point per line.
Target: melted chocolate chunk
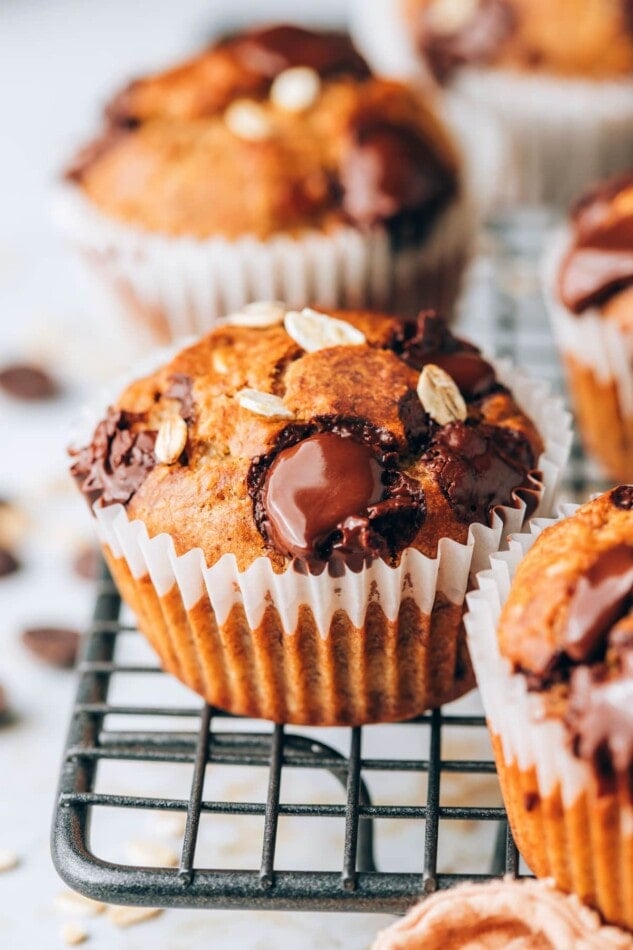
415	421
329	492
599	720
477	42
117	461
602	597
429	340
389	171
181	388
479	467
271	50
600	262
622	497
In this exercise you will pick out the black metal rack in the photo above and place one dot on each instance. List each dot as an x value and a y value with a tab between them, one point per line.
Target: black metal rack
517	327
358	886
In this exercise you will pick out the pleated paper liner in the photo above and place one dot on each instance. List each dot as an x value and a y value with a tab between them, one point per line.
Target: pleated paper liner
565	826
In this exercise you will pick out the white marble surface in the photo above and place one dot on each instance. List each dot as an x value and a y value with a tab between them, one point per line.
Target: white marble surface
58	60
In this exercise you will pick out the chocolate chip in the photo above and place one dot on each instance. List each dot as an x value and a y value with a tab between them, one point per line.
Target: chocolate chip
87	563
57	646
622	497
29	383
8	563
4	705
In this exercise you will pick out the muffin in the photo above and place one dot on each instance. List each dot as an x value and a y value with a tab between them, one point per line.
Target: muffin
556	679
526	915
560	83
293	506
589	289
271	166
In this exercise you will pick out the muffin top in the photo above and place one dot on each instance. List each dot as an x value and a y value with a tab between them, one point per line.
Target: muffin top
597	270
541	36
568	625
526	914
316	440
276	130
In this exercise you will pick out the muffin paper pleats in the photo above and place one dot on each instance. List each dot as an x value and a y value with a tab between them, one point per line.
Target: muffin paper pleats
173	286
563	827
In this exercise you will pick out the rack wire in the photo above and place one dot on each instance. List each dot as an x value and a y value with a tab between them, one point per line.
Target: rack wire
508	318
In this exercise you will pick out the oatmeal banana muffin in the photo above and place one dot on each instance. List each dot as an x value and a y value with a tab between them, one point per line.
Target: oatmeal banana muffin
560	83
589	287
273	165
293	505
557	685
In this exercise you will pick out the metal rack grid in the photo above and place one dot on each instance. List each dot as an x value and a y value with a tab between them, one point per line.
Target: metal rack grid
516	326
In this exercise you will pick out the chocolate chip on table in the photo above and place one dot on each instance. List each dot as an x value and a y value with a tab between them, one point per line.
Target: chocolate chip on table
28	382
4	705
87	563
57	646
9	564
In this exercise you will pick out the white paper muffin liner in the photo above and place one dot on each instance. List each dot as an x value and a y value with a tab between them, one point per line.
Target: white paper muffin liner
590	338
562	133
416	576
514	714
564	826
178	285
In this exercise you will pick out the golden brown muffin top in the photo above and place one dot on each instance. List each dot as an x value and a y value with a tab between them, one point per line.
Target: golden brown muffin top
568	625
597	270
526	914
592	39
302	437
275	130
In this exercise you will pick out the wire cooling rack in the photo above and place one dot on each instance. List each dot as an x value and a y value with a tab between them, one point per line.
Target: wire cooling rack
505	314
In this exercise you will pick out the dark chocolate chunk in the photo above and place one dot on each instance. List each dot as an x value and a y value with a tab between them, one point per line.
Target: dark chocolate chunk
117	461
415	420
57	646
479	467
330	492
476	42
9	564
27	382
390	169
602	597
270	50
181	388
622	497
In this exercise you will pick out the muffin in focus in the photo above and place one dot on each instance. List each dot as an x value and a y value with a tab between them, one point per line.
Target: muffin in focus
556	679
526	915
271	166
293	507
589	290
560	83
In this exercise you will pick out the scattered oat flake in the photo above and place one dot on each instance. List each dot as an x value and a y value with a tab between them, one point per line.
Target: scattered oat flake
8	860
296	89
77	905
168	823
171	440
317	331
258	315
151	854
130	916
440	396
263	404
72	934
247	120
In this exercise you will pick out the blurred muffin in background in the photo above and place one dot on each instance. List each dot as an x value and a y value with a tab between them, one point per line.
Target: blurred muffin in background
271	166
589	290
558	75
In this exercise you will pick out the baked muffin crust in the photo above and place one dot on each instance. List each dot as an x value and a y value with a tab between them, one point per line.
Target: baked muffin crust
216	147
436	479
